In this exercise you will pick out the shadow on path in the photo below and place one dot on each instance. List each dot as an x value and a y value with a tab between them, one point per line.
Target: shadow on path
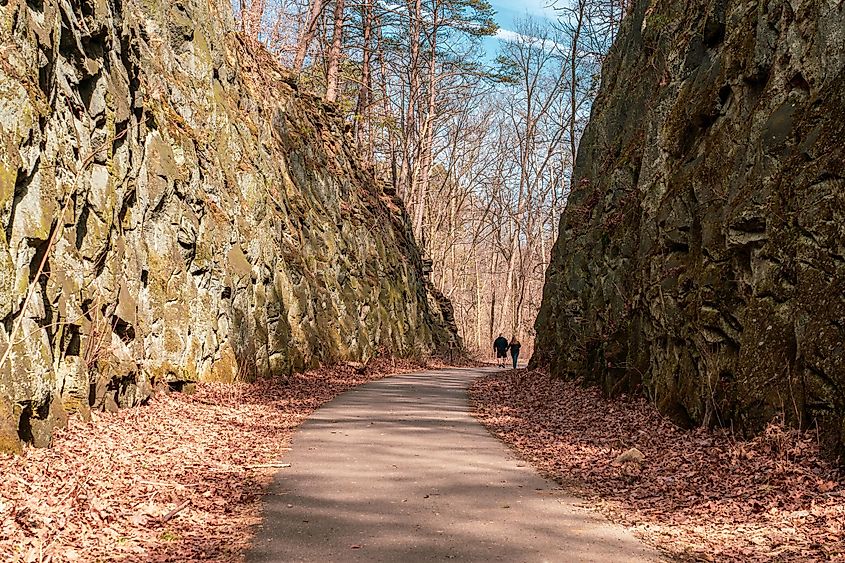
397	470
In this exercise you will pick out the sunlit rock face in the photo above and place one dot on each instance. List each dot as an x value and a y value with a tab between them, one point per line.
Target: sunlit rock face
701	258
197	218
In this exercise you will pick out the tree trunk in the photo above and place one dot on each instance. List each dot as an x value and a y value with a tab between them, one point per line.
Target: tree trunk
510	293
478	303
362	117
573	86
427	138
335	52
493	265
307	34
410	124
385	102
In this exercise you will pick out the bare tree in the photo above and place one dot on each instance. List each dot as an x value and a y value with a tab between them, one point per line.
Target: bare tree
362	108
482	158
307	34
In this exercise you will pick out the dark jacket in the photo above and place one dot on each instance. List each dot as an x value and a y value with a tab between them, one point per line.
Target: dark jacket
515	348
500	344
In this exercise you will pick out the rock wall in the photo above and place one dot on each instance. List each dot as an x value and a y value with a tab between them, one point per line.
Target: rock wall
173	210
701	256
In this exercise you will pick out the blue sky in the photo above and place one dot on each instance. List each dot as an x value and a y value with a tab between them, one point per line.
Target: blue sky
507	11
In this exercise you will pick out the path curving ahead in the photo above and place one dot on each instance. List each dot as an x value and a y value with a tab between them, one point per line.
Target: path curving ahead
398	470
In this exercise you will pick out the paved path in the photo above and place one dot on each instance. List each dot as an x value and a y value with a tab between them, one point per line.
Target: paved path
397	470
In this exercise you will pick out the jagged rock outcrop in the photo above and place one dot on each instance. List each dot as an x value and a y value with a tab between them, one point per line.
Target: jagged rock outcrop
197	218
701	254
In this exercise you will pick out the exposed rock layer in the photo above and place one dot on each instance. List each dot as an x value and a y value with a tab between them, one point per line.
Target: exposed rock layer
197	217
701	255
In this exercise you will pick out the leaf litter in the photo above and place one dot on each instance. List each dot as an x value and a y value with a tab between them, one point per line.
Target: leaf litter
697	495
180	479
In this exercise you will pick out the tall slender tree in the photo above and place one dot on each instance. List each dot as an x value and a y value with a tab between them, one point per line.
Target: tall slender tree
335	51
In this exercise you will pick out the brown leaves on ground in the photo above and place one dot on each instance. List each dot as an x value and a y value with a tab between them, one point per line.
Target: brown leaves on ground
178	480
697	495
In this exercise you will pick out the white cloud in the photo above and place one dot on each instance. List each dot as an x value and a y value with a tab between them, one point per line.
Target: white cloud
516	37
511	36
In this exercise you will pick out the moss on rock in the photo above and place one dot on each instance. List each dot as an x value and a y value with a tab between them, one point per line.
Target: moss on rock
218	221
714	281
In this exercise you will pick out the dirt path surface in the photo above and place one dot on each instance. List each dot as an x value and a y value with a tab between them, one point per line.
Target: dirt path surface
397	470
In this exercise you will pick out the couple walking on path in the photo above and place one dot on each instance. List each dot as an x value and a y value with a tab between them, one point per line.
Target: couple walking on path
501	347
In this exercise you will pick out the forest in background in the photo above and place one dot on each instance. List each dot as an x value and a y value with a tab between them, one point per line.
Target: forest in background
480	146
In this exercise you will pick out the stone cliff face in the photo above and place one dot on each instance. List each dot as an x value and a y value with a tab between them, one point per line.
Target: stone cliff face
196	217
702	251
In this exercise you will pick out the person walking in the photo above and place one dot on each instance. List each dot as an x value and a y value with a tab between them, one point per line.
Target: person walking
500	347
514	346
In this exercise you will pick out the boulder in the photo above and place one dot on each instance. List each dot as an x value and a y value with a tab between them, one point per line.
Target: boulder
632	455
